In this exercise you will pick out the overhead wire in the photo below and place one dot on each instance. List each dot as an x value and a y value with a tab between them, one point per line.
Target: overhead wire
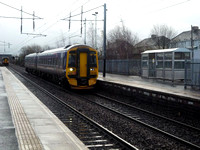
15	17
27	39
79	6
82	12
79	14
171	6
59	19
35	17
19	10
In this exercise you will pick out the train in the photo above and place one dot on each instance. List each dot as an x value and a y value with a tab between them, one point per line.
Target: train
5	61
75	66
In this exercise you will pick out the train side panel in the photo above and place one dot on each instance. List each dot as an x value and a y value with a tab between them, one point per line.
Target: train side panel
31	63
52	64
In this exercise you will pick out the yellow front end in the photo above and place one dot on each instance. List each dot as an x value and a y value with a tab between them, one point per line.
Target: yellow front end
82	67
5	61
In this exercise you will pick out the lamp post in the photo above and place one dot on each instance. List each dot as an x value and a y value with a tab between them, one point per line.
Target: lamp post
104	42
192	42
95	43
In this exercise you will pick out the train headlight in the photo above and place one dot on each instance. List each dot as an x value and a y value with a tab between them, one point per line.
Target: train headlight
71	69
92	69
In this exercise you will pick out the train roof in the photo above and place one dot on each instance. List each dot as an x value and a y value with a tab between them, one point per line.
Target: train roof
53	50
56	50
30	55
5	56
66	48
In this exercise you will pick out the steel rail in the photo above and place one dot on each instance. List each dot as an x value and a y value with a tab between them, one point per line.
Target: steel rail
148	112
117	139
147	125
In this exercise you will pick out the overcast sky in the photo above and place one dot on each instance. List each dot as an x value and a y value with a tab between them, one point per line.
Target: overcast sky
138	15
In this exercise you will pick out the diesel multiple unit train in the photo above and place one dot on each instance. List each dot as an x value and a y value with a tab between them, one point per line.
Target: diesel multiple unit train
76	65
5	61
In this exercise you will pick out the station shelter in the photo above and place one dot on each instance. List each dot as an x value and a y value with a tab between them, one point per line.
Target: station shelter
166	64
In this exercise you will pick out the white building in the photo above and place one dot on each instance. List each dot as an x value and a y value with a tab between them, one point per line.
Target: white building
187	39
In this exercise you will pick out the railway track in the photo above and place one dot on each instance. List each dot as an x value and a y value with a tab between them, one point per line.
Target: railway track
92	134
149	112
133	117
179	131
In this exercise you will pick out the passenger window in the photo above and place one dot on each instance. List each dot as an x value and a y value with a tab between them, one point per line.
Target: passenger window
64	60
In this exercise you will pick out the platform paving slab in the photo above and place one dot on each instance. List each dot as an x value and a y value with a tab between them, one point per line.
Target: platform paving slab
8	139
151	84
36	126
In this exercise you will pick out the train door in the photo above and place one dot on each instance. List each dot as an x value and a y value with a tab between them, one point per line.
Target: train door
83	64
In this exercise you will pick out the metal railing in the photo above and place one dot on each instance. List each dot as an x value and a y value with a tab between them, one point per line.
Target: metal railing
192	74
124	67
133	67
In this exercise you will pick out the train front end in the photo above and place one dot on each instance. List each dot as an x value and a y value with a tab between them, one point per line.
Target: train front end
5	61
82	67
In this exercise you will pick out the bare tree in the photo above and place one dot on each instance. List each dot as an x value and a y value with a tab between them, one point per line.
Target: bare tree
58	44
46	47
28	50
63	39
31	49
161	35
90	35
120	43
163	30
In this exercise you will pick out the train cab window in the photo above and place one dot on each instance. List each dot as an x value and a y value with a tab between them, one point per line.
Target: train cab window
72	60
93	60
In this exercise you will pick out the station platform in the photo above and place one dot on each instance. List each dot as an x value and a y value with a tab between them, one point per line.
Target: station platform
156	86
26	123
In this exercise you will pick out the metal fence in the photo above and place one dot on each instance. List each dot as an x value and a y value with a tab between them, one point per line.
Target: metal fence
192	74
125	67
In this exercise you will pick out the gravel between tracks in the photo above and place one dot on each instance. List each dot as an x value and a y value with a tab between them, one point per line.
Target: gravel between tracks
132	132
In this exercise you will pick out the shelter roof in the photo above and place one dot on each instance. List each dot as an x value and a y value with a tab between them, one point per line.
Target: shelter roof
167	50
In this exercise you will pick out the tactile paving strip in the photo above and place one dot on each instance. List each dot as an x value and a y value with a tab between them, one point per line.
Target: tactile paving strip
27	139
